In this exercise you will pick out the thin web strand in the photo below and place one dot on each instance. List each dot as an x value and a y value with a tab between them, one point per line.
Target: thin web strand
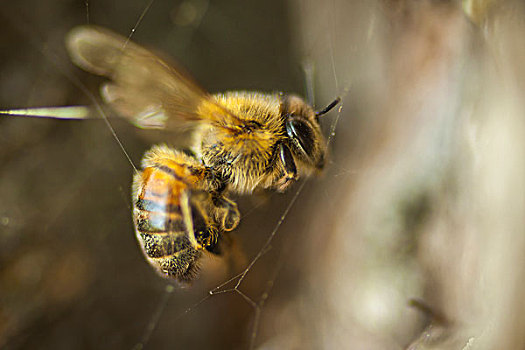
137	23
152	324
309	72
330	40
86	3
262	301
252	209
272	234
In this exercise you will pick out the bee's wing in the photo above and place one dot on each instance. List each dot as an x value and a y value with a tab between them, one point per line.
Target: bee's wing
144	88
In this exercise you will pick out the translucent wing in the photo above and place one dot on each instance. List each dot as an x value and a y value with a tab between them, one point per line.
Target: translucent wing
144	88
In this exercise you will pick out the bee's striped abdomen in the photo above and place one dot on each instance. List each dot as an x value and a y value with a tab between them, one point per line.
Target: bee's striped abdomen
175	214
166	220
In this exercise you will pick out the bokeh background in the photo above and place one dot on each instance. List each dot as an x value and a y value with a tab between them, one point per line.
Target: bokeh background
412	238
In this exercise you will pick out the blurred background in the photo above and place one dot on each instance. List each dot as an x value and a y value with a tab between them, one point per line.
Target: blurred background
413	238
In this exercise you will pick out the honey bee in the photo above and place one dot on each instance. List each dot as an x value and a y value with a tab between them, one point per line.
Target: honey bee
241	142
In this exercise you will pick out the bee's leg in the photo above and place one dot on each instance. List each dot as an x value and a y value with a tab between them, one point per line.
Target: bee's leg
217	248
227	214
201	223
289	168
215	183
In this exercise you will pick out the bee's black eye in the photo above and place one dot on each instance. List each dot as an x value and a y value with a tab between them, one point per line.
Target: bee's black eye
301	134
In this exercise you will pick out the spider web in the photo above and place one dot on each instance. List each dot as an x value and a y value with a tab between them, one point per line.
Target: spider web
232	286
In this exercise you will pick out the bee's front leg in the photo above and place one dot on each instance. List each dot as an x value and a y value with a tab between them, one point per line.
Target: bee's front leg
227	213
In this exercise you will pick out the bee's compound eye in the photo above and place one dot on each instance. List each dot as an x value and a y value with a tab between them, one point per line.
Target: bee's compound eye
301	134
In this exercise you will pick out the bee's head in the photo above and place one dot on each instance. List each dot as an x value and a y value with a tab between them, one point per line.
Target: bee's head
304	150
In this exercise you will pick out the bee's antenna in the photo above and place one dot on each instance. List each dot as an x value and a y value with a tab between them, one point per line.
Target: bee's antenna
328	108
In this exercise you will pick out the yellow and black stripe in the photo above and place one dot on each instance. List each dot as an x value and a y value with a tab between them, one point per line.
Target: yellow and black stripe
171	226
